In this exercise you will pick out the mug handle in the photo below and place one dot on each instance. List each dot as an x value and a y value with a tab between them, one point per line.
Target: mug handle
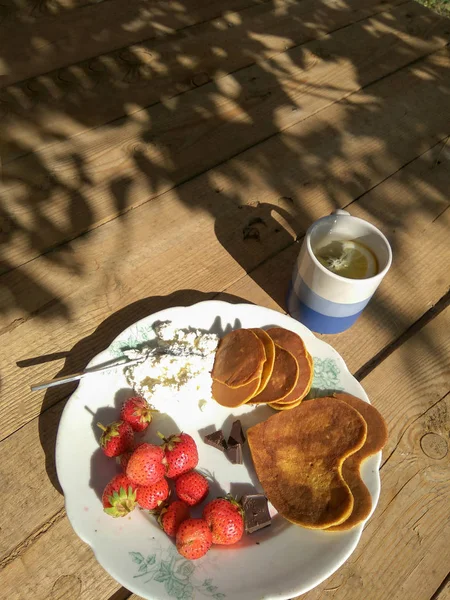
339	211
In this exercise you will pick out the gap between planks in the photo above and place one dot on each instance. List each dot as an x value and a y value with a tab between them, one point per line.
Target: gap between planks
442	592
386	193
434	311
188	174
415	328
213	71
122	592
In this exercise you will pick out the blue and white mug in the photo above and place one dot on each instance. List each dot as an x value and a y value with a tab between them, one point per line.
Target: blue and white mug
326	302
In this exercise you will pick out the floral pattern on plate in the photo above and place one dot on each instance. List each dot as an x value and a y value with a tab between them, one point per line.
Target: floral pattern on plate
176	573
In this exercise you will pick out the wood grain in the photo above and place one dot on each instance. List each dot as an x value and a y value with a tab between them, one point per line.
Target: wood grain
30	10
93	92
91	272
379	326
73	186
57	566
409	208
410	522
404	552
42	43
443	593
37	500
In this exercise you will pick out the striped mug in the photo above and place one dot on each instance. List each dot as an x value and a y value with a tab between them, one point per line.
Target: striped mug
324	301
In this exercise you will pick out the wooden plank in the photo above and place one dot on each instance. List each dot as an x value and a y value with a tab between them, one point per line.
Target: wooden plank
408	207
70	187
444	592
31	47
91	272
404	550
409	523
37	492
30	11
79	97
68	570
372	332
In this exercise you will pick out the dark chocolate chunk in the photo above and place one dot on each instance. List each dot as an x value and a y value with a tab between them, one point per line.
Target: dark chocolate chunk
234	453
216	440
236	434
256	512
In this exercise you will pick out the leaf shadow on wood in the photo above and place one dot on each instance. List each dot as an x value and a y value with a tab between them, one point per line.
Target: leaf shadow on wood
231	117
158	97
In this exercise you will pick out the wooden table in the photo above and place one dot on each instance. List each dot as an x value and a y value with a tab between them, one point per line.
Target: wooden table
157	153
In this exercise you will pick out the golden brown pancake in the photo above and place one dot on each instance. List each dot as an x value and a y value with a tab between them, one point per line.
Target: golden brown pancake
232	397
298	456
269	348
281	406
239	358
283	379
293	343
376	438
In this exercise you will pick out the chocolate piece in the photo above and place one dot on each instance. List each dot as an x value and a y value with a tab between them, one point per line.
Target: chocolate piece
256	512
234	453
216	440
236	434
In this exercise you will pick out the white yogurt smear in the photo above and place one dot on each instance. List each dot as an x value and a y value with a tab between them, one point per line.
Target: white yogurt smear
182	366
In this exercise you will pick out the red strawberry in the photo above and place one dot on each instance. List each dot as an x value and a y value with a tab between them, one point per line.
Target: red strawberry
124	458
171	517
191	487
119	496
151	496
145	465
181	454
136	412
225	519
193	538
116	438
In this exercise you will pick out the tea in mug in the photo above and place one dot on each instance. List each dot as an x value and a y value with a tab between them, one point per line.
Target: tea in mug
347	258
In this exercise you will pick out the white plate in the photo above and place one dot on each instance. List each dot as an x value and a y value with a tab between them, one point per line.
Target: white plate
281	561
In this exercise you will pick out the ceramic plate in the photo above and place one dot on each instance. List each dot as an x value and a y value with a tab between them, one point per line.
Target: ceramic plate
281	561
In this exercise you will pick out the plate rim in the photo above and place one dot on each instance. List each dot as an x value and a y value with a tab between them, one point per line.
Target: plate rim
239	306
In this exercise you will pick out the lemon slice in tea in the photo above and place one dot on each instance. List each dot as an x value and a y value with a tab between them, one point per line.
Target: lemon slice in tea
348	258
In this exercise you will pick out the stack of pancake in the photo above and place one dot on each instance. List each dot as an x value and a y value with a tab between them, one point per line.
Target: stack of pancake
308	460
262	366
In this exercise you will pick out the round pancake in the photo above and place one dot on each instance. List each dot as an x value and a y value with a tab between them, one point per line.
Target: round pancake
298	456
280	406
377	435
283	379
232	397
293	343
269	348
239	358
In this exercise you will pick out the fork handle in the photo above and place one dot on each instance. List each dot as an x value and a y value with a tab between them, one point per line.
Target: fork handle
77	376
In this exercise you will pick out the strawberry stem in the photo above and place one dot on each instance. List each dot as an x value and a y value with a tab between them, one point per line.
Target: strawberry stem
102	427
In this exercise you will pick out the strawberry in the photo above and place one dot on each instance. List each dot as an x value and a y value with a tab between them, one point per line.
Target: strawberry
152	496
225	519
137	413
191	487
145	466
171	517
119	496
193	539
181	454
116	438
124	458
